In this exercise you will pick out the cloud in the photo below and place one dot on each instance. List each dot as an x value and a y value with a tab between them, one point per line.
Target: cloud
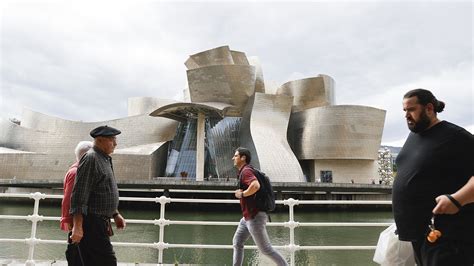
81	61
453	86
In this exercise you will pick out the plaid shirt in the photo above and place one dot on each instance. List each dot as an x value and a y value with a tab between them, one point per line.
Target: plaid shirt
95	189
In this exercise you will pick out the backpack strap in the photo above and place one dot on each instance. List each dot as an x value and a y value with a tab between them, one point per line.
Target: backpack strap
241	186
240	181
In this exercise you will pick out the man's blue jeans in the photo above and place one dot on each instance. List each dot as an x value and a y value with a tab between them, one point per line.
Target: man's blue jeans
256	228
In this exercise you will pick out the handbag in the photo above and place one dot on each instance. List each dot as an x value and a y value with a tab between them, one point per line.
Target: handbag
391	251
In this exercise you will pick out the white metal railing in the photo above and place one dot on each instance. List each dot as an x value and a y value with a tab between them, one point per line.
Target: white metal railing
162	222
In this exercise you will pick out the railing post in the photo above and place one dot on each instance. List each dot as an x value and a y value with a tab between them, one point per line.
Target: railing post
162	223
37	196
292	224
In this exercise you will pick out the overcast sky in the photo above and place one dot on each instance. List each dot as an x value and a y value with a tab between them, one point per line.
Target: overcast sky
83	61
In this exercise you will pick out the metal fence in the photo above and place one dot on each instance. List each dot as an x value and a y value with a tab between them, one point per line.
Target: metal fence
162	222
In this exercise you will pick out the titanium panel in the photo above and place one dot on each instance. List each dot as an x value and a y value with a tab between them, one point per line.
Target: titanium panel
230	84
239	58
191	64
310	92
182	111
52	142
259	81
267	127
43	132
33	166
142	162
337	132
217	56
145	105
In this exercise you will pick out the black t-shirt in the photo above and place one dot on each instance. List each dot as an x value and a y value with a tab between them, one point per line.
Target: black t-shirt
431	163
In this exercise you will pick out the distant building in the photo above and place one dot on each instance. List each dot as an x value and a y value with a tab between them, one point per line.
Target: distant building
295	135
394	152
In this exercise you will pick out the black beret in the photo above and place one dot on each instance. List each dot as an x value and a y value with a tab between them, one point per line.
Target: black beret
104	131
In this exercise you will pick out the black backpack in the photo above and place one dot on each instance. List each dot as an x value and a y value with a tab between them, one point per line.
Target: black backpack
265	198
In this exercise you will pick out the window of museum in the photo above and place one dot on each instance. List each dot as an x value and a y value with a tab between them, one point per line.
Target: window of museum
326	176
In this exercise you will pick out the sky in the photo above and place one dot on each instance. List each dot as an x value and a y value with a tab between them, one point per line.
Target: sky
83	60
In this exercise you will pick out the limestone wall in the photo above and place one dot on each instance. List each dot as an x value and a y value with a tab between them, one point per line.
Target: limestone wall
344	171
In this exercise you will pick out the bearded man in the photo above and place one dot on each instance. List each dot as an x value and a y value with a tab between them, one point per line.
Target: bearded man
435	182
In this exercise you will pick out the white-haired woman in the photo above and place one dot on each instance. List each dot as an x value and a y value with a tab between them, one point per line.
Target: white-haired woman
66	219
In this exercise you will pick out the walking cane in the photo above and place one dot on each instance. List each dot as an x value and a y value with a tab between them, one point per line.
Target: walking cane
80	255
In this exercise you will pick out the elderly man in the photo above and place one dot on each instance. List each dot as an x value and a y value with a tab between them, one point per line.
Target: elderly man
95	200
435	178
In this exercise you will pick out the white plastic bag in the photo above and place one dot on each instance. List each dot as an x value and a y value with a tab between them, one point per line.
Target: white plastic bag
392	252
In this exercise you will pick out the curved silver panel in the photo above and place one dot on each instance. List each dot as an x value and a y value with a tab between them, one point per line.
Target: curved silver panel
231	84
43	130
239	58
217	56
309	92
337	132
36	120
259	81
265	135
52	141
145	105
182	111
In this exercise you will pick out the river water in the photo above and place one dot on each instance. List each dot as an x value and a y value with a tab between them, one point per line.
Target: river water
185	234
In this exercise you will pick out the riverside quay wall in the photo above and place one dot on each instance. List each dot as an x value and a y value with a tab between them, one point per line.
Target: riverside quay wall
224	190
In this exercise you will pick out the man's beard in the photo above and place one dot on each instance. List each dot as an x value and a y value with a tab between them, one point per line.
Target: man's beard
421	125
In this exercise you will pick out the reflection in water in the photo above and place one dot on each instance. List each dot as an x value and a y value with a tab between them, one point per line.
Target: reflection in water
205	235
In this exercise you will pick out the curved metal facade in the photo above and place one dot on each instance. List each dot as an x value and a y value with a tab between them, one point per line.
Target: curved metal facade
183	111
231	84
217	56
265	135
337	132
259	80
40	131
52	140
310	92
145	105
141	162
298	130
